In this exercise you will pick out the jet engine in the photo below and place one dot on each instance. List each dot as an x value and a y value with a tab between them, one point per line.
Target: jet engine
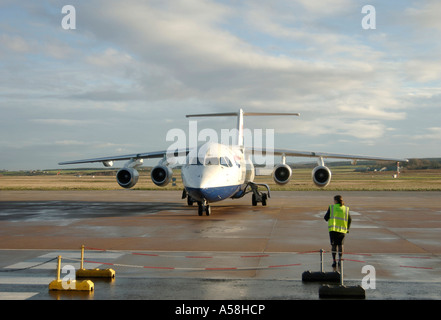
127	177
161	175
282	174
321	176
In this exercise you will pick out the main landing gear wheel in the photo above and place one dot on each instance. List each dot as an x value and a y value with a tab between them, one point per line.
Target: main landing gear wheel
259	197
264	197
254	200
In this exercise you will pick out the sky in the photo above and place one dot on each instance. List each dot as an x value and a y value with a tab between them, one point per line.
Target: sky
131	70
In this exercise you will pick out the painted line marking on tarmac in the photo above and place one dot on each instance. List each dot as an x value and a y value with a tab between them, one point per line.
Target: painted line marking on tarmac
17	295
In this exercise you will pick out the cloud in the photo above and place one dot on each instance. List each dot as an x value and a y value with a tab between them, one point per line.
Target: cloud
424	70
70	143
333	126
432	134
132	66
425	14
66	122
326	7
14	43
369	111
190	54
110	58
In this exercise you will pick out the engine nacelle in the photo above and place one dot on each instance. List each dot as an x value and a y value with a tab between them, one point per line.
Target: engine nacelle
108	164
161	175
321	176
282	174
127	177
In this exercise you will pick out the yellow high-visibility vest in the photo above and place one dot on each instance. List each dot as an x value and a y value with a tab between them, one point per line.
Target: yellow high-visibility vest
338	218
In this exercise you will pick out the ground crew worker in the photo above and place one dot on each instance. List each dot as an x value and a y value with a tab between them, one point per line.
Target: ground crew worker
339	222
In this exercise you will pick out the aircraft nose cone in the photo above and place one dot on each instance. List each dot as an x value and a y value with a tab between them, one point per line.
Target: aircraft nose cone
206	184
199	194
202	188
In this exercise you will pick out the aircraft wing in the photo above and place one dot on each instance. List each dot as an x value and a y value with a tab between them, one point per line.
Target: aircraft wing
311	154
145	155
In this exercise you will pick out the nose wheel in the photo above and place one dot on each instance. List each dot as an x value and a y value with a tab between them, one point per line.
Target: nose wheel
204	208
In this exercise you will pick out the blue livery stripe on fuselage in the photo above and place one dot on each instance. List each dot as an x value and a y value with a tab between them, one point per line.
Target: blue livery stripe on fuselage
213	194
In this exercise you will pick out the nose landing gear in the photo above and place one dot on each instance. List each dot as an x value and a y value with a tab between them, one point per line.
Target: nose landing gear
204	207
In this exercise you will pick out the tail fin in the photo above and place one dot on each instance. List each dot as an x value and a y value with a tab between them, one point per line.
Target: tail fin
240	116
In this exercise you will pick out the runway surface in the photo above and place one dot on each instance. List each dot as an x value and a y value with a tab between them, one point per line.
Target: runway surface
161	249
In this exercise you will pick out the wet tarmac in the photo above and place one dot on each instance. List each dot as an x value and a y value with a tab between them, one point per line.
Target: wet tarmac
162	250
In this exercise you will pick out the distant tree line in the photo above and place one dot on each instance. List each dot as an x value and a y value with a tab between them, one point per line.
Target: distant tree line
362	166
422	164
413	164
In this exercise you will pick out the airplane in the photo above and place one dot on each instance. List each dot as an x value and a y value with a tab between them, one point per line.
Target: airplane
214	171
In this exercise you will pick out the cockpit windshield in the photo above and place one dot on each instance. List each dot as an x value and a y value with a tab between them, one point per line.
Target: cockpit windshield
211	161
226	162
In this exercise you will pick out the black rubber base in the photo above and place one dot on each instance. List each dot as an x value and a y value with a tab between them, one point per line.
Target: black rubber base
323	277
355	292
